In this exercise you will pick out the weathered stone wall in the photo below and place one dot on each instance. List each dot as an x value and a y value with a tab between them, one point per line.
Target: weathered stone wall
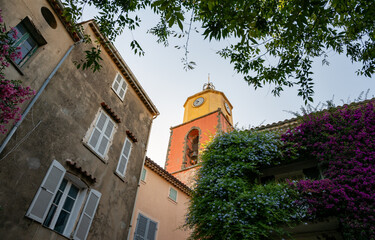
55	128
46	57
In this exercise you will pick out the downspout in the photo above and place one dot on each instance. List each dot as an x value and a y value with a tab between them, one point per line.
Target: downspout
139	180
31	104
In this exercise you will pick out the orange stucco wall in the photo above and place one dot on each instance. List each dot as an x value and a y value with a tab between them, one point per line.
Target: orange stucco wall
154	203
207	126
226	126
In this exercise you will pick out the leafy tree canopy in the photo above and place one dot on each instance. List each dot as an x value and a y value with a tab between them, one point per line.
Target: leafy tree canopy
290	33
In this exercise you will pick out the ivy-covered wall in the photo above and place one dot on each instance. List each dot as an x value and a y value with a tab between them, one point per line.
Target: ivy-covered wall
343	141
230	202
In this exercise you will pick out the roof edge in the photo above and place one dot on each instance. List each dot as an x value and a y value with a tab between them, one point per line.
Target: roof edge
293	121
167	176
125	70
217	110
58	7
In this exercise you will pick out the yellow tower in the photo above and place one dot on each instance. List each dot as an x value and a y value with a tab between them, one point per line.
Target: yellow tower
206	113
205	102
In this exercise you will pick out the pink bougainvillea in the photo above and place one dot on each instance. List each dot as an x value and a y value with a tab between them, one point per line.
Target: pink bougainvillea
343	141
12	93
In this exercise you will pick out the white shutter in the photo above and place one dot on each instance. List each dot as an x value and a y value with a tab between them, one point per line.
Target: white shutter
123	161
46	192
87	216
101	135
140	231
151	231
119	86
117	82
98	130
122	90
104	142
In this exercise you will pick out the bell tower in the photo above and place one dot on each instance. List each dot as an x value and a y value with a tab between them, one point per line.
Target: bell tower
206	113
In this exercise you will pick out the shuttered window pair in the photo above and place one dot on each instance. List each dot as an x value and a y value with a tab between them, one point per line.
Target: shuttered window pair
58	204
146	229
124	158
119	86
101	135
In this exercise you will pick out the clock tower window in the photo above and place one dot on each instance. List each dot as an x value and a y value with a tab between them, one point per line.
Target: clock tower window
191	148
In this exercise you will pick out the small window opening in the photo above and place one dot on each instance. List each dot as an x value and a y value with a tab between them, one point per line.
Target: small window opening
48	16
192	148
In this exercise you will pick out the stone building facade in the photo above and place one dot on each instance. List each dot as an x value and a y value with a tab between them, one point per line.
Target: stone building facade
72	168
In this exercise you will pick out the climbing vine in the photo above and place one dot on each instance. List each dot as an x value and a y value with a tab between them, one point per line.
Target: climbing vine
229	202
12	93
343	141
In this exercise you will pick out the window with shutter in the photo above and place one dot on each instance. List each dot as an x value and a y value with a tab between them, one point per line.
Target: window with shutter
119	86
28	40
62	206
173	194
87	216
124	158
146	229
101	134
151	231
46	192
58	201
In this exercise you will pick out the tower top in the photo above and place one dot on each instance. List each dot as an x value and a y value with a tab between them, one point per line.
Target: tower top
205	102
208	85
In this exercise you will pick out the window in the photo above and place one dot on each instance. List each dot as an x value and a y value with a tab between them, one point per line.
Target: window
101	134
119	86
173	194
28	40
143	174
146	229
296	175
48	16
61	207
191	148
124	158
59	201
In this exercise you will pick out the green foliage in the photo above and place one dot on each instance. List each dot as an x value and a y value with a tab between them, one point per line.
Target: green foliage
228	202
291	34
92	60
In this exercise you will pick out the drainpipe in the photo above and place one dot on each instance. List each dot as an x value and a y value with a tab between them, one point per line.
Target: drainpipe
31	104
139	181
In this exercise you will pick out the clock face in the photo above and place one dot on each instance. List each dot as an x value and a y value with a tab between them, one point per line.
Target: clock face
227	107
198	102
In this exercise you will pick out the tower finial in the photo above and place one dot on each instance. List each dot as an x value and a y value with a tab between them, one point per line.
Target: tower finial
208	85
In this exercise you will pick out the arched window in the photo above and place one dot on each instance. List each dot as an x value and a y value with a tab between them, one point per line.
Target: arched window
192	147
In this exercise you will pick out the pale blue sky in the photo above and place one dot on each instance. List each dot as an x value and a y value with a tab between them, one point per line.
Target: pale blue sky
161	74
